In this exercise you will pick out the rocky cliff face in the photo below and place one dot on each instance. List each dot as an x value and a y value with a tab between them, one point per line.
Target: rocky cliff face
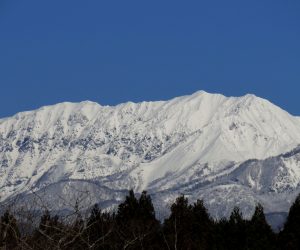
202	145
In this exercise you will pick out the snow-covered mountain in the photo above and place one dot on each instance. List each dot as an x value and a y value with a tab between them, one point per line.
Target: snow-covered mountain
200	145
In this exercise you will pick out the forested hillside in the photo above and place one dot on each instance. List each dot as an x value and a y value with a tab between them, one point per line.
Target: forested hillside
134	226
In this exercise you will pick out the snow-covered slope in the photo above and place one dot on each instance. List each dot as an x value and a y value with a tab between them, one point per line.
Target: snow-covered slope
166	147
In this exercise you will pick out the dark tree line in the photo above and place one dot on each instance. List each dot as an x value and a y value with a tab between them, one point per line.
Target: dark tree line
135	226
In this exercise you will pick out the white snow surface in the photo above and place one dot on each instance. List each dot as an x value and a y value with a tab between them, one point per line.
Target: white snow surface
184	145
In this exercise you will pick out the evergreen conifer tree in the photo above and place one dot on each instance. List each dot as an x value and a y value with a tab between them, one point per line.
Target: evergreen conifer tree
290	236
137	227
128	209
259	232
178	227
202	226
237	230
99	228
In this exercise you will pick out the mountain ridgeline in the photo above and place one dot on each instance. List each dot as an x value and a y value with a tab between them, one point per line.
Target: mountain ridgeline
227	151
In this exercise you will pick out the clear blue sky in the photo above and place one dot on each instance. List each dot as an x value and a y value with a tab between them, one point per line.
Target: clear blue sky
115	51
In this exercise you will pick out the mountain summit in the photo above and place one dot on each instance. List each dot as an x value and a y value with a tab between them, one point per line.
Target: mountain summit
202	145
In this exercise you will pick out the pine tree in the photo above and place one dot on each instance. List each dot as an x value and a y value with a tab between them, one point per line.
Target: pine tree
128	209
237	230
99	228
202	226
259	232
150	225
178	227
146	209
221	235
290	236
137	226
